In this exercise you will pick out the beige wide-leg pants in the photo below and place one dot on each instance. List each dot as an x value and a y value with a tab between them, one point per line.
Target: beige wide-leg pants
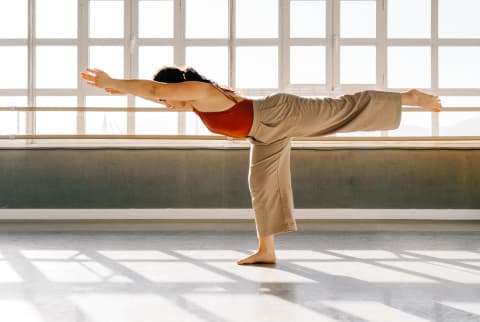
280	117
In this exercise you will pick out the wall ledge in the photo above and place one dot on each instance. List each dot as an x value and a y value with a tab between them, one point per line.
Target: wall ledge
236	214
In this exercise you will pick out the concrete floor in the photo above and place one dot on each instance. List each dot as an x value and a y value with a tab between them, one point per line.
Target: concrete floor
191	276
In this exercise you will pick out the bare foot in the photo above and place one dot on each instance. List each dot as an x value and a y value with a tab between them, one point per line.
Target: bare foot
258	258
417	98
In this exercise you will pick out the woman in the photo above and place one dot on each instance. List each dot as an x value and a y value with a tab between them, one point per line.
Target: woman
269	124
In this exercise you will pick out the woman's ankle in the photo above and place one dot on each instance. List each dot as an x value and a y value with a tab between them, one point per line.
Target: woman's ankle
266	244
407	98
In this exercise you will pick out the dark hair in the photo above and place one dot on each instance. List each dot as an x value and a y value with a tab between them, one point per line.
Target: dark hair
175	74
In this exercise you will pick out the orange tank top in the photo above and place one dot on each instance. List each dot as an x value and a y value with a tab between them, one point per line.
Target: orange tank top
234	122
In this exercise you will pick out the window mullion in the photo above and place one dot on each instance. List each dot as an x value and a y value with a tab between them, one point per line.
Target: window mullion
283	44
130	50
381	45
334	42
82	60
30	116
231	44
179	51
382	48
434	61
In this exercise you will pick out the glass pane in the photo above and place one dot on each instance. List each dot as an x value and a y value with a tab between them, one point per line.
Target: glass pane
400	11
409	18
48	20
140	102
307	19
459	67
7	101
56	101
99	25
56	122
106	122
49	66
211	23
357	65
14	63
458	19
409	67
12	122
459	123
14	19
257	67
194	126
108	59
151	58
358	19
211	62
158	123
155	19
106	101
257	19
307	65
414	124
460	101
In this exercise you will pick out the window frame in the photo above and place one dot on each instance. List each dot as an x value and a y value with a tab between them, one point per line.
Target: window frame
332	42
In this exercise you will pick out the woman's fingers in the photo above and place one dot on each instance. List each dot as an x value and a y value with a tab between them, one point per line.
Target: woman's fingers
93	70
96	77
86	76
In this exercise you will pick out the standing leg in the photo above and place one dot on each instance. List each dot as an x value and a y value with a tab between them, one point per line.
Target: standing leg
272	199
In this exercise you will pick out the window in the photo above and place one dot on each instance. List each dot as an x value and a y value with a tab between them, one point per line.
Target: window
305	47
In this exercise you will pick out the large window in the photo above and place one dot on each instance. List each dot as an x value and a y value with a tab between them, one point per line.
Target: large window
306	47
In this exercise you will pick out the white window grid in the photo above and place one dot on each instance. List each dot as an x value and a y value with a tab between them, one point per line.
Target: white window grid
332	42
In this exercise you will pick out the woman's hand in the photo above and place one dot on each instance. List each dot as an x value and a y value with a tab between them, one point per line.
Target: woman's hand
97	77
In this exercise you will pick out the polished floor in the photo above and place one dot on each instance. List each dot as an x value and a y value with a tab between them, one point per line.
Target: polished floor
375	276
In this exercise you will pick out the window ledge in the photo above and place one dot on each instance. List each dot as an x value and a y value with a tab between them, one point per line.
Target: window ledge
224	143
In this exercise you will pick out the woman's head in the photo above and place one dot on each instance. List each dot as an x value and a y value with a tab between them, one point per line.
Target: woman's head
174	74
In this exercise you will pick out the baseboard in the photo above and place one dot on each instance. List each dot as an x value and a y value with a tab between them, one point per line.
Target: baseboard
236	214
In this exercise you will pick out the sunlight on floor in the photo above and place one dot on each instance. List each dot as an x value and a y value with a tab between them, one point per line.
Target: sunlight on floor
136	255
19	311
373	311
8	273
82	272
260	274
470	307
172	272
364	271
211	254
140	308
367	254
260	307
446	254
123	280
439	271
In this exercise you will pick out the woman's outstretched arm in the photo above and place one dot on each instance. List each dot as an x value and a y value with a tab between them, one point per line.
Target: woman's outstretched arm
148	89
